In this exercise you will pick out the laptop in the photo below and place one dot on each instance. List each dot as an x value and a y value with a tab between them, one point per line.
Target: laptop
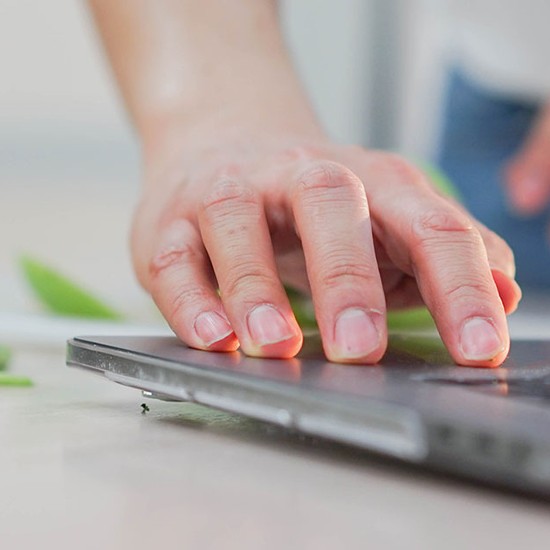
491	425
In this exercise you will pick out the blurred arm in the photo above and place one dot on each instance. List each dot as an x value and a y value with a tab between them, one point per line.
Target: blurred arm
180	63
528	174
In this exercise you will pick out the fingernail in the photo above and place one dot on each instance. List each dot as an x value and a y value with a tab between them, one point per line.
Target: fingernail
480	340
268	326
211	327
355	333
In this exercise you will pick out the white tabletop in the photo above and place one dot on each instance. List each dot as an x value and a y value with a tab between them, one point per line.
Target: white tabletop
82	467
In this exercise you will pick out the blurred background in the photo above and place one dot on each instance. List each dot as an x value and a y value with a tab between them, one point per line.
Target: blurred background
69	163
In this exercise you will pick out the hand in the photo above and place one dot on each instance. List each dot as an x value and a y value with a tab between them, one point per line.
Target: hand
528	174
276	202
361	231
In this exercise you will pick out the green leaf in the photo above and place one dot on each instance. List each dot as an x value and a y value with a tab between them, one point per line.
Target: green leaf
302	306
410	319
15	380
5	356
417	318
429	348
61	295
440	180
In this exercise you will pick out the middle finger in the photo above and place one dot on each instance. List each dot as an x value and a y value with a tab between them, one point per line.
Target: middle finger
332	218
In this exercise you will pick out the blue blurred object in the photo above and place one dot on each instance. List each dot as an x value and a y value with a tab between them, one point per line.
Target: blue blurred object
480	133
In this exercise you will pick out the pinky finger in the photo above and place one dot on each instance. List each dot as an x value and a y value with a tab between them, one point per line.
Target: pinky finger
181	284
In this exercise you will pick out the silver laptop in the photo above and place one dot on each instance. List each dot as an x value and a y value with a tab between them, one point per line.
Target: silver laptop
416	406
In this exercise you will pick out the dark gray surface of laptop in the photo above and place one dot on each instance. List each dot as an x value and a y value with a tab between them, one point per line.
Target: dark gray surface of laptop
491	425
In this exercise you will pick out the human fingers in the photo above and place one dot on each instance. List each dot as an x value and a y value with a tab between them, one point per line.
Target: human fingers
502	264
503	268
181	283
332	218
437	243
402	291
234	230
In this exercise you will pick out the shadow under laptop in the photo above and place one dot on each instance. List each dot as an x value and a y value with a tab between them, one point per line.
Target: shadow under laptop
284	440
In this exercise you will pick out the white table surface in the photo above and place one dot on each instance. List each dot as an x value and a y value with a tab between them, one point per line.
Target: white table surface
82	467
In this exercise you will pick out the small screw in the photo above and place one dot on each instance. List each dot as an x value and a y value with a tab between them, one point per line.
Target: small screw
144	408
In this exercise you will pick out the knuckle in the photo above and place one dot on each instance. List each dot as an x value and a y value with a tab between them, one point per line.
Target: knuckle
185	301
442	224
469	290
327	176
172	258
247	274
342	269
225	191
226	198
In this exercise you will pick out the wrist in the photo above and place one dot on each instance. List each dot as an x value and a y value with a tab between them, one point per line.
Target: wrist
193	130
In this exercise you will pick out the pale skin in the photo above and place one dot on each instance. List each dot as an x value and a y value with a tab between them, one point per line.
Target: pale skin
243	192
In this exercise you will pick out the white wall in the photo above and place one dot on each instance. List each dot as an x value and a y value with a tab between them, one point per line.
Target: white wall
59	110
68	159
424	50
329	42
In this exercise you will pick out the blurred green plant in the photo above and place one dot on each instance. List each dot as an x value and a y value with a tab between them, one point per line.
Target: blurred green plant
440	180
418	318
427	347
60	295
5	356
15	380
